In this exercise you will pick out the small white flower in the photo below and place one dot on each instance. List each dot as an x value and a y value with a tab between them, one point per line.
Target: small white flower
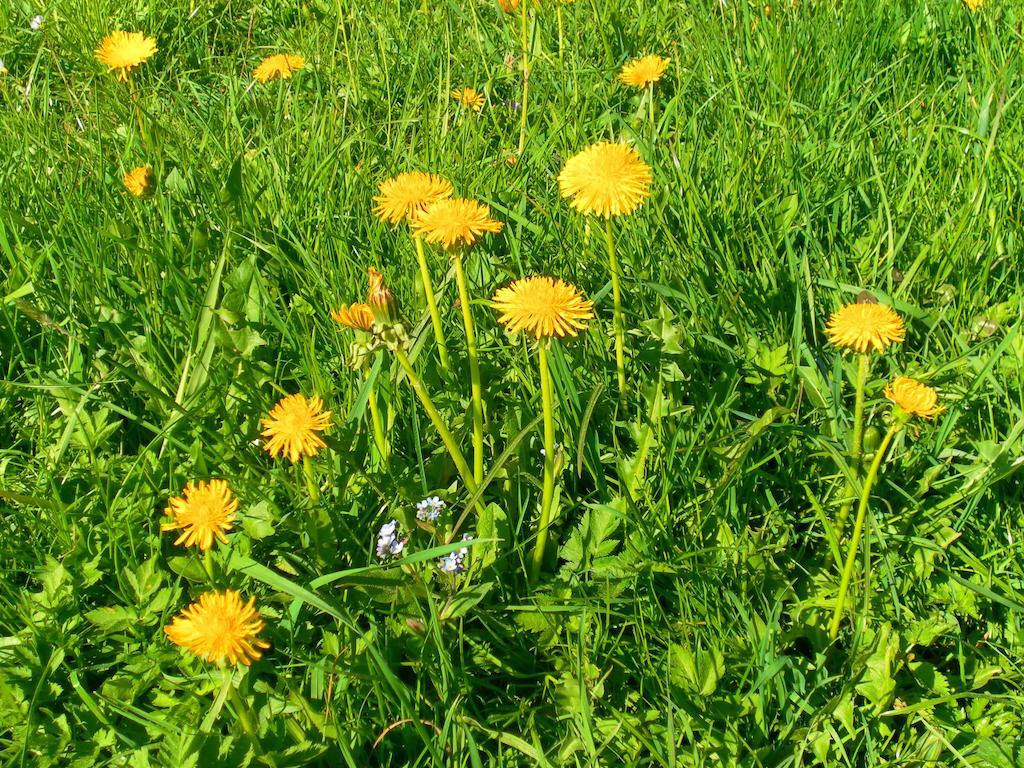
429	509
3	69
388	543
36	23
454	562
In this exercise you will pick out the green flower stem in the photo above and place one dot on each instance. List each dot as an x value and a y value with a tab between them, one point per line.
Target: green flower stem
244	714
652	112
311	487
437	421
617	323
474	371
858	525
428	290
856	449
208	567
524	38
548	492
378	425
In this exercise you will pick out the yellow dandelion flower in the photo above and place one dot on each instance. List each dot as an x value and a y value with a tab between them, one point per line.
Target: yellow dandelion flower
644	71
123	51
282	65
605	179
220	627
291	427
469	98
974	5
508	5
408	194
358	317
543	307
202	512
865	326
136	181
379	297
913	397
455	222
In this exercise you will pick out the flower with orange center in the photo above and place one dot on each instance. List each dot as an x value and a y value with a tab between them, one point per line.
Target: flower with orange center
543	307
281	65
913	397
643	72
469	98
605	179
455	222
219	627
408	194
357	316
122	51
865	326
291	427
136	181
204	511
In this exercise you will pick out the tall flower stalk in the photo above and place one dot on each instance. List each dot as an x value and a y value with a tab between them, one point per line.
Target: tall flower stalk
910	398
359	318
400	199
456	224
544	308
863	327
608	179
524	41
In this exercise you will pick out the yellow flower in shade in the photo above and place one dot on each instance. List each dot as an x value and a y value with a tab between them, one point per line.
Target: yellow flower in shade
605	179
408	194
291	427
219	627
358	317
508	5
913	397
974	5
202	512
137	180
543	307
124	50
469	98
865	326
644	71
455	222
281	65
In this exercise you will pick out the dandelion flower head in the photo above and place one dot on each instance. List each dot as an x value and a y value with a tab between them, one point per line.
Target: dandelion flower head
219	627
543	307
408	194
358	317
455	222
202	512
281	65
644	71
913	397
605	179
292	425
122	51
469	98
864	327
136	181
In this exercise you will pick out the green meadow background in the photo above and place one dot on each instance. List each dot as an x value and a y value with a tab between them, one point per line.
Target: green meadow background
801	154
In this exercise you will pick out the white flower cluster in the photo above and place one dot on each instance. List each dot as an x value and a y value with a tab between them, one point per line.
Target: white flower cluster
36	23
454	562
388	542
429	509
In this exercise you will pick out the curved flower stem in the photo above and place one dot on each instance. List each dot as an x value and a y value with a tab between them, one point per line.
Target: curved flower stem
428	290
524	35
620	334
858	527
856	449
548	492
378	425
652	112
437	421
474	371
208	567
245	714
311	487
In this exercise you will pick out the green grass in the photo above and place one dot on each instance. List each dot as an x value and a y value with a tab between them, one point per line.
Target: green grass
799	158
